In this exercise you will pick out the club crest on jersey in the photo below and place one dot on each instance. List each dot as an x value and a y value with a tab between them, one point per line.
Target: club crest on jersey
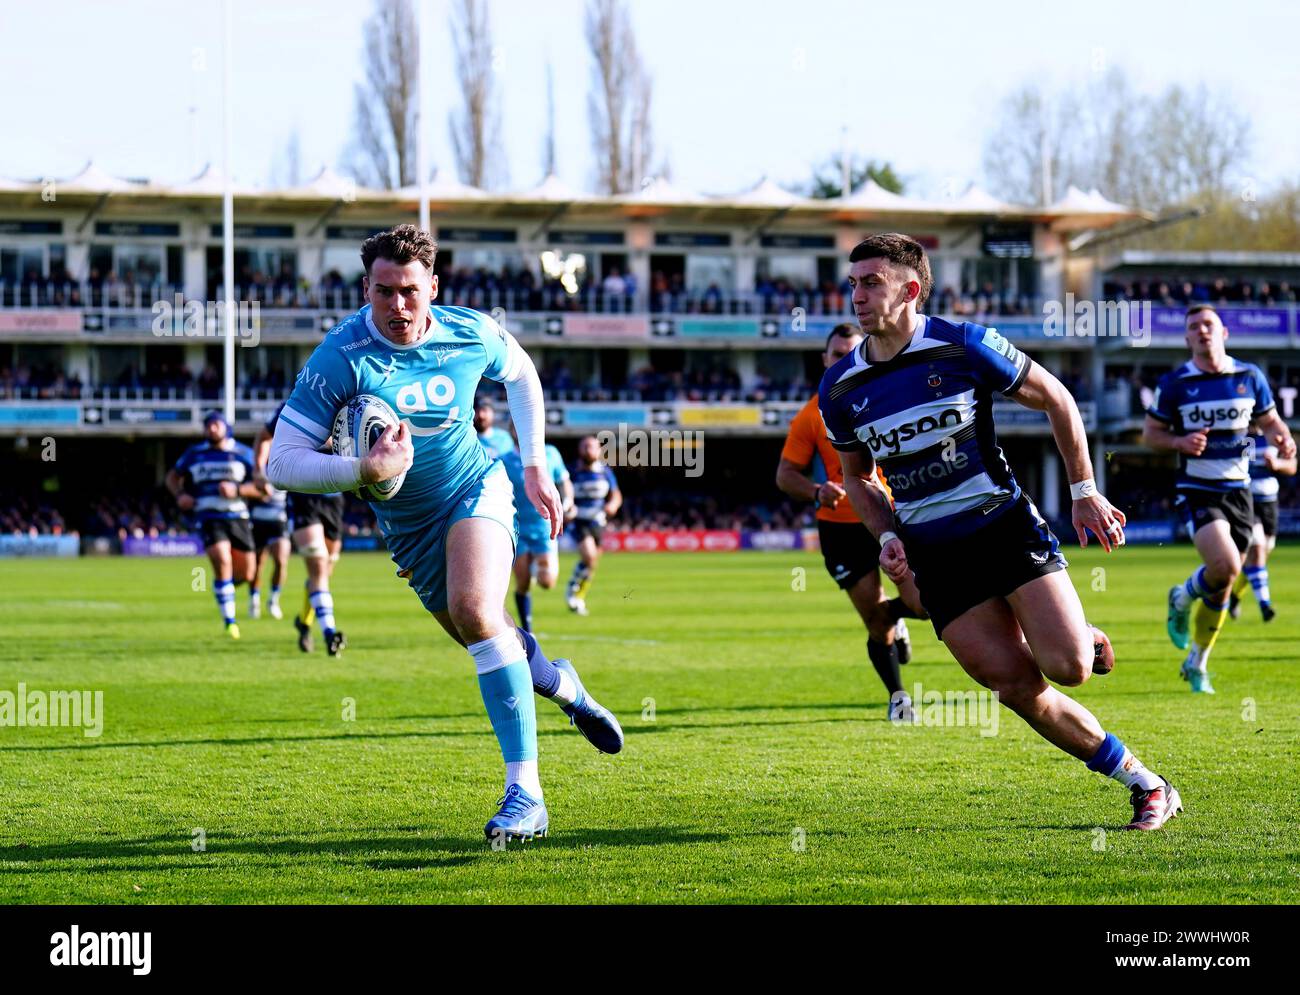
444	353
857	408
934	380
1241	388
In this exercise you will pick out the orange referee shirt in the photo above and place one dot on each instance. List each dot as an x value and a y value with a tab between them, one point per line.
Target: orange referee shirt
807	438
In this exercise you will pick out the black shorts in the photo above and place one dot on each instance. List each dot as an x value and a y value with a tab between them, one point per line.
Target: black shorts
955	575
583	529
266	531
309	509
1236	507
1266	516
850	551
236	531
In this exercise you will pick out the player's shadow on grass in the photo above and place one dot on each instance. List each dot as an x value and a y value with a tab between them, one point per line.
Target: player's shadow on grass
376	852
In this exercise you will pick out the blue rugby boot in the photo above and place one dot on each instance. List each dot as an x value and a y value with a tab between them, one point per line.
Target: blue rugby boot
596	722
521	817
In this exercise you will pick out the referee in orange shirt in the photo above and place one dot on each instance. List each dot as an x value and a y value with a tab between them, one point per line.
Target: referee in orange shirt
851	553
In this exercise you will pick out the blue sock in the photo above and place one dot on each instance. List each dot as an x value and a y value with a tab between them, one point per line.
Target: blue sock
1258	577
1195	585
322	603
224	592
508	695
546	679
1108	755
524	606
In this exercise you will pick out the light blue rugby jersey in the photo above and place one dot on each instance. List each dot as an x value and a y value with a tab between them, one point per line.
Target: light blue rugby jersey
904	411
497	442
1226	403
531	521
430	384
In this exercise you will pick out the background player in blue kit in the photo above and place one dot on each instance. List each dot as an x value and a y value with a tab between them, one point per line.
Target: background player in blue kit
1204	411
213	481
596	498
270	518
450	527
317	522
494	439
537	552
1266	465
917	396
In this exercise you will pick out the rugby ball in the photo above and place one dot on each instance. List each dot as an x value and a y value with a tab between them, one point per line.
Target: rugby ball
1103	654
358	426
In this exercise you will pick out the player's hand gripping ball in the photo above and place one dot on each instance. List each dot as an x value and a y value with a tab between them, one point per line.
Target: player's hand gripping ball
357	427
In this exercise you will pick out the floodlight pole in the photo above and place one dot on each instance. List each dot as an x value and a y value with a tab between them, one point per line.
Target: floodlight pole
421	150
228	220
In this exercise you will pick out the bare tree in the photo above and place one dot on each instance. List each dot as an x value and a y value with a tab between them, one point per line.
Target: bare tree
618	106
382	152
286	166
548	140
476	127
1176	148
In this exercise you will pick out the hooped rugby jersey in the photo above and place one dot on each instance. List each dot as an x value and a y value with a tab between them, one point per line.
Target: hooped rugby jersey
205	468
926	417
1188	399
1263	482
430	384
592	486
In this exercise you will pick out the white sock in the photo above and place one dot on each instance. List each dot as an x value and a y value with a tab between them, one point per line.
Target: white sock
1200	656
567	692
1132	771
524	774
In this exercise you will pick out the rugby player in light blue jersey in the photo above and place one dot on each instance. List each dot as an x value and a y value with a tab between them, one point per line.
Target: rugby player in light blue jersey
917	396
450	528
538	552
495	440
1204	411
212	481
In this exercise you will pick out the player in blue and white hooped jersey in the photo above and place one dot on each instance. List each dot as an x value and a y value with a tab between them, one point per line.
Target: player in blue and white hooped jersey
317	523
450	527
538	552
1266	465
212	482
270	518
917	396
596	498
1204	411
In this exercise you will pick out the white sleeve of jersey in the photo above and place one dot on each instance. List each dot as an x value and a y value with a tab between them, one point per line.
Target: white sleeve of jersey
296	465
524	396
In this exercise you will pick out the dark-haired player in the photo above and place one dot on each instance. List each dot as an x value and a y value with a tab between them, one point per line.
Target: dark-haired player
850	552
1266	465
450	529
212	482
917	396
596	498
1204	411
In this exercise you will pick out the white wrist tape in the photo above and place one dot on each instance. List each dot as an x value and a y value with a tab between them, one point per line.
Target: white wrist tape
1083	489
886	536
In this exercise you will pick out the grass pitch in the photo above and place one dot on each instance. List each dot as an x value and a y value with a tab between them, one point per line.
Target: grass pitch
759	764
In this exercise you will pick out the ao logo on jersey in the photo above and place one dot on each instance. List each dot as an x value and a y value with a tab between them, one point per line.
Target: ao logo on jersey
417	398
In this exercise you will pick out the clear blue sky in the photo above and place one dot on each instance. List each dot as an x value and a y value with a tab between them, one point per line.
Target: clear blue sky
742	89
